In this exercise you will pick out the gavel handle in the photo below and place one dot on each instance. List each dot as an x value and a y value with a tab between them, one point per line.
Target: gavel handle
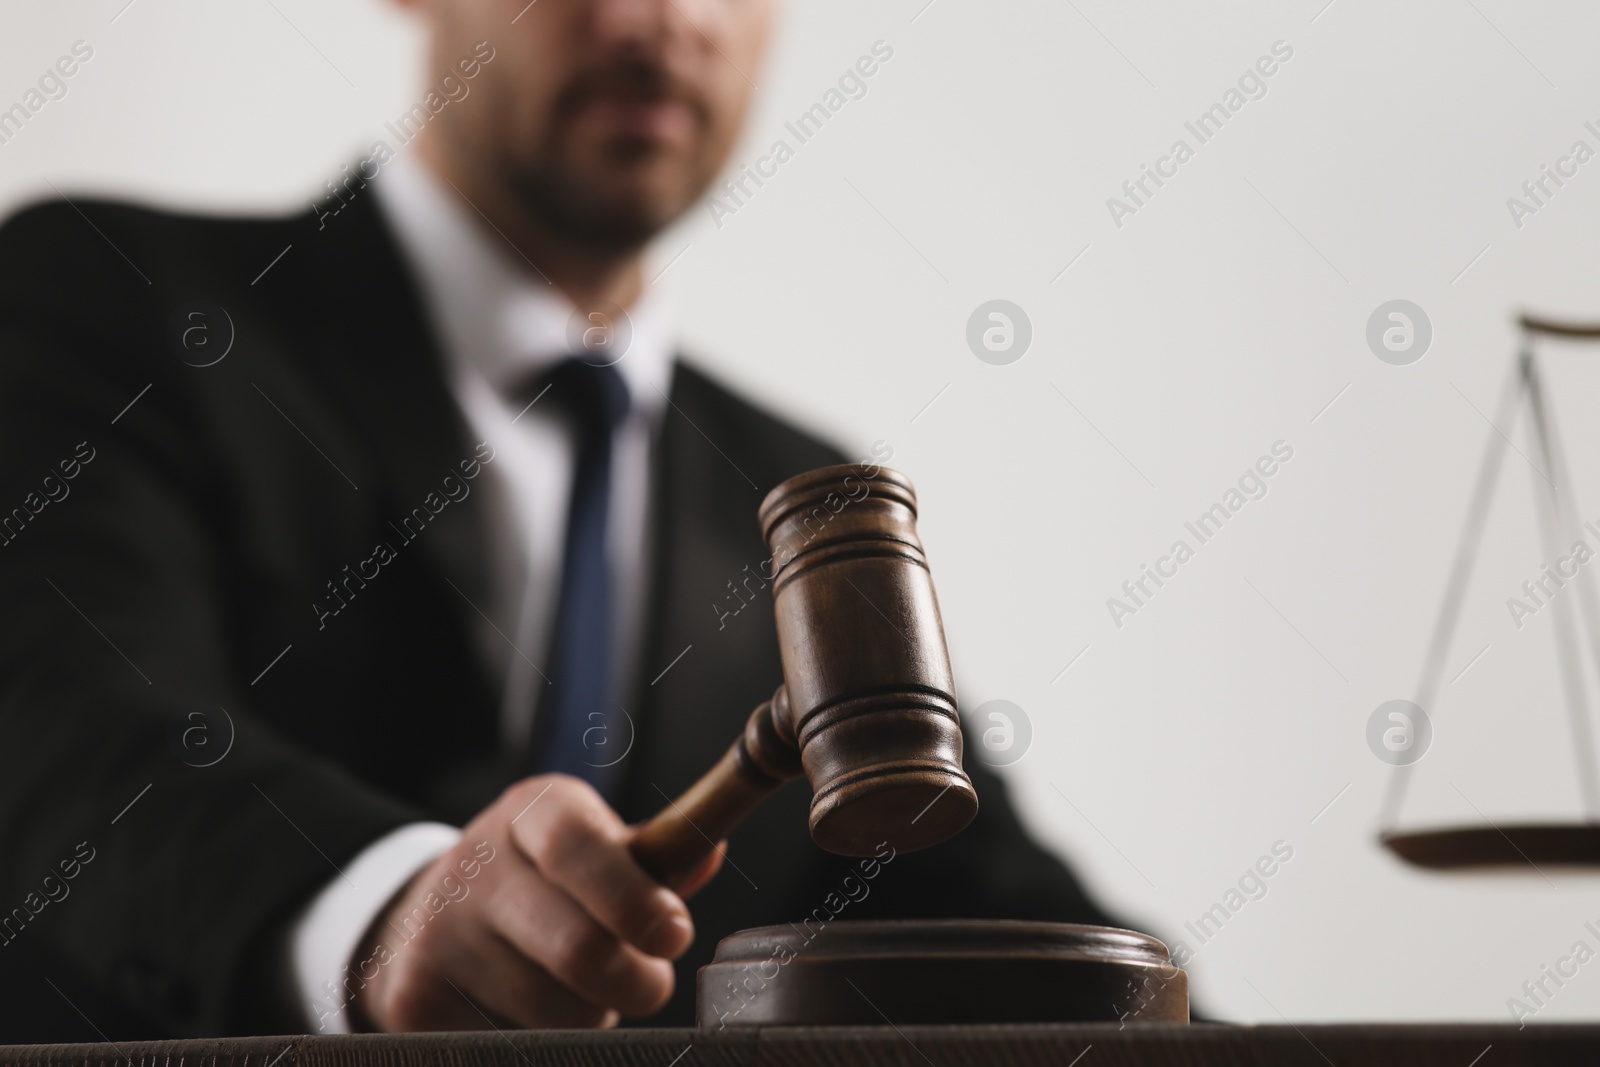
680	836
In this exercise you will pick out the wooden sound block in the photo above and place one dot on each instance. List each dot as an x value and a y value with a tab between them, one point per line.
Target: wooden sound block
939	971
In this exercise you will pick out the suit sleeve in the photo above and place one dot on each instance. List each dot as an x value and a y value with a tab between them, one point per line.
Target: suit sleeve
159	867
323	938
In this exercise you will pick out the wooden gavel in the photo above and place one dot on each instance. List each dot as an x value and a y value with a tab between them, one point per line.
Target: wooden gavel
867	709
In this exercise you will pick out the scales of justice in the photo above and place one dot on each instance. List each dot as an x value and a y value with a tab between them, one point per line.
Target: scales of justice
1576	617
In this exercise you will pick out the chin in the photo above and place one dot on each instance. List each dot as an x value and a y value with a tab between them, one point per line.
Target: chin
618	221
610	202
652	204
640	207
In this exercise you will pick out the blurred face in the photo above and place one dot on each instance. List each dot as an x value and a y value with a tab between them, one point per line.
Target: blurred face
604	119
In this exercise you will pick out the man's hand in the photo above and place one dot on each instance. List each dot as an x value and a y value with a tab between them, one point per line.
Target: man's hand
539	917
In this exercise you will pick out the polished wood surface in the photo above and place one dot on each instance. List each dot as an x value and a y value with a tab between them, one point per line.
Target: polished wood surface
1083	1044
867	709
939	971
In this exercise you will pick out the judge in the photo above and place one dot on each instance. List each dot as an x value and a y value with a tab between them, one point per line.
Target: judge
397	585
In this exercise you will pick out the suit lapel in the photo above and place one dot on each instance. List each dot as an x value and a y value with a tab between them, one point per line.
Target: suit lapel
376	350
704	534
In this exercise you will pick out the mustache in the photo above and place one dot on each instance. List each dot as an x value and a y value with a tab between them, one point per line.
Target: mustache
630	79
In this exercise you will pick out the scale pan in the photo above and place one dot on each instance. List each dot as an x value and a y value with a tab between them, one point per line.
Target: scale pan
1462	848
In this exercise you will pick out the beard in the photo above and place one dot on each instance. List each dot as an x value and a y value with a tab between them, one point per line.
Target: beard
617	195
601	212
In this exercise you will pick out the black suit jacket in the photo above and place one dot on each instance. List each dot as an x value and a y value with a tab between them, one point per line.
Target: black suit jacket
176	570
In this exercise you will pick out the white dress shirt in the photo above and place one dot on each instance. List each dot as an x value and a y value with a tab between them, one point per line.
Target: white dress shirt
501	325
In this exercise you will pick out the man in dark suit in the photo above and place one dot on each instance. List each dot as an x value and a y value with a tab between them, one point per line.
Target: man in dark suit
325	535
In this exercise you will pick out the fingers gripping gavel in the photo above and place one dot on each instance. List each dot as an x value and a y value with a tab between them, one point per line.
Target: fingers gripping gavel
867	710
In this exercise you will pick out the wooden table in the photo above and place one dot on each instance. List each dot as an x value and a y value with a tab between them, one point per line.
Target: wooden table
1089	1045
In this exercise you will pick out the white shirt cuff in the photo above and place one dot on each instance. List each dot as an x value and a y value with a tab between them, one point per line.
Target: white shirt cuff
325	936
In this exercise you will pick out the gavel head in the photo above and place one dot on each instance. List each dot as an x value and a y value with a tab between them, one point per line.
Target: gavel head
868	698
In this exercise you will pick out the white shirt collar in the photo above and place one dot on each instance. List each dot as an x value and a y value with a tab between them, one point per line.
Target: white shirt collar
494	315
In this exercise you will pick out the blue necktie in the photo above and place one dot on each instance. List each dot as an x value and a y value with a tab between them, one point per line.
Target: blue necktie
578	731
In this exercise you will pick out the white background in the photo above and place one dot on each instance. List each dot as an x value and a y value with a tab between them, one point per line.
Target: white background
1223	317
